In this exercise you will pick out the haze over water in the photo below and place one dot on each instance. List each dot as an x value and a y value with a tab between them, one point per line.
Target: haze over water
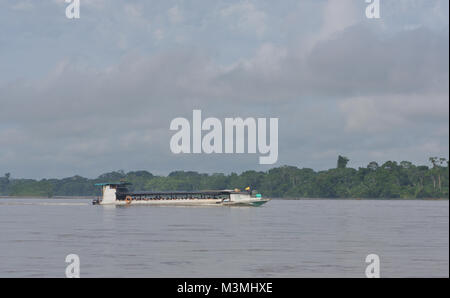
284	238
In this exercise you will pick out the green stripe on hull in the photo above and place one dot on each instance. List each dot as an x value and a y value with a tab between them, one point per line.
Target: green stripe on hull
259	203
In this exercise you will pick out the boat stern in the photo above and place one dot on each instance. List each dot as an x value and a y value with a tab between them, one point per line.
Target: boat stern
246	199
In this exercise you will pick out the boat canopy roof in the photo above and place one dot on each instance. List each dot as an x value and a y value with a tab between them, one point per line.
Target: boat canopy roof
181	193
112	184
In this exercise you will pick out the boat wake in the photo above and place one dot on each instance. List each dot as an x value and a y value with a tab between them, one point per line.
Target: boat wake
41	204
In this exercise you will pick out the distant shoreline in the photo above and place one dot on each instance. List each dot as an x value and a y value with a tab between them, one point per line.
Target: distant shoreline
386	181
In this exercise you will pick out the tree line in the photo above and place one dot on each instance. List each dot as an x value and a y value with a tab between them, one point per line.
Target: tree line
388	180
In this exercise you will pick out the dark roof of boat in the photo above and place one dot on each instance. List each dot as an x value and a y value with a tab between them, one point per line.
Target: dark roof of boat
184	193
113	184
201	192
181	193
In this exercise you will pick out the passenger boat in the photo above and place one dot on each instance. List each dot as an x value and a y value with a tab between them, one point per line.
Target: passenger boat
118	194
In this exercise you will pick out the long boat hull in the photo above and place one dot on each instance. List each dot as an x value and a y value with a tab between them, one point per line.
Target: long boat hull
193	202
118	194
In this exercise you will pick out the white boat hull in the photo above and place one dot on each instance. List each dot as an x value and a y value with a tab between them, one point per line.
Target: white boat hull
110	196
192	202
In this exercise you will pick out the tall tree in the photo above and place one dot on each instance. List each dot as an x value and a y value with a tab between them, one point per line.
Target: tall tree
342	162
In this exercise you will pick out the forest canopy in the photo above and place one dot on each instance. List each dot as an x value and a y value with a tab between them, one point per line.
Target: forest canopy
388	180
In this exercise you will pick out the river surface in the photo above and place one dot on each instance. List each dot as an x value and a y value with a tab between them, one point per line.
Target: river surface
284	238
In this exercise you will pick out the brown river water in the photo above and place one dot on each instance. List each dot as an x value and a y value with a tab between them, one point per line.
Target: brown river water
284	238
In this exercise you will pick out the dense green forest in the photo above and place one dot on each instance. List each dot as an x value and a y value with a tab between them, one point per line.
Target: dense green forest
389	180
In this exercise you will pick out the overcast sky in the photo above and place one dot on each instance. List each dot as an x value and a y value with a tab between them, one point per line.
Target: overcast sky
98	94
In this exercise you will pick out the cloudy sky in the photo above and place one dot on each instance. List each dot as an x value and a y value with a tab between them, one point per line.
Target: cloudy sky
98	93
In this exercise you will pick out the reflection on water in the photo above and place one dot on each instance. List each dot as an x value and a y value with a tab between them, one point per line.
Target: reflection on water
307	238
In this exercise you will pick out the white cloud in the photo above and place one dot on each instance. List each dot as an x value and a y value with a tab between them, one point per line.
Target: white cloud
90	3
22	5
136	16
249	19
385	113
159	34
175	15
268	60
339	15
133	10
356	91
